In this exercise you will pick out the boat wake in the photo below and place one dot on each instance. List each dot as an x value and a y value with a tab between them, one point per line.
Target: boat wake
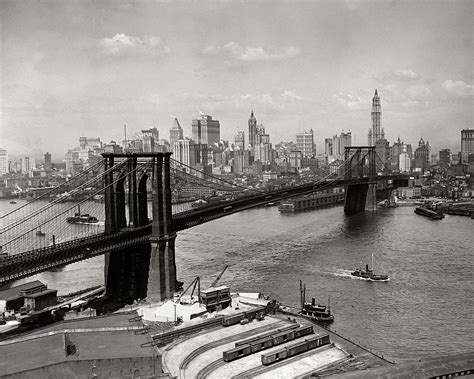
340	272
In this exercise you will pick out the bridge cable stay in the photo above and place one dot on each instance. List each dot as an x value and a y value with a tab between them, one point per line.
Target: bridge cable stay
322	180
46	195
52	205
52	225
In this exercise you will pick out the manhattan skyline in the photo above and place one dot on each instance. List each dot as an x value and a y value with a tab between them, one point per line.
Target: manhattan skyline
87	68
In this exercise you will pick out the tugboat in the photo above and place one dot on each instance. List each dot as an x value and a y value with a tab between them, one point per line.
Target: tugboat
312	311
79	218
369	274
39	233
13	202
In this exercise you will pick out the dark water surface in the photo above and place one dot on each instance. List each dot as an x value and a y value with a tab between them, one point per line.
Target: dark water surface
425	309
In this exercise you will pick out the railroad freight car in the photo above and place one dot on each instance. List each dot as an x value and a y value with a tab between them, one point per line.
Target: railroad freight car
303	330
236	353
309	343
266	334
283	337
249	315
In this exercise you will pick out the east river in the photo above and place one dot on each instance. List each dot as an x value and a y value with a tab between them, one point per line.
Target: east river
425	309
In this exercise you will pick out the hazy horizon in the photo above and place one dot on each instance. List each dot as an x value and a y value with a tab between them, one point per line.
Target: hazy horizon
86	68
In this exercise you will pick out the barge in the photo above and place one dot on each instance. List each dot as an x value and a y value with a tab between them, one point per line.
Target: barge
429	213
317	200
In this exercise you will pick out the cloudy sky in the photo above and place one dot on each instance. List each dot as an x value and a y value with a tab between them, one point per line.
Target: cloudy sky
72	68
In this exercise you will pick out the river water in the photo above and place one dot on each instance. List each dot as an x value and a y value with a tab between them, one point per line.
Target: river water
425	309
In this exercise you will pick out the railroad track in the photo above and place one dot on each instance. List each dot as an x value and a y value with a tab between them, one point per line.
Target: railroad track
189	358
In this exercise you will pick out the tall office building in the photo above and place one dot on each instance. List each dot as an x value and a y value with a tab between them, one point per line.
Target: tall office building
27	164
184	152
422	155
445	157
395	152
47	161
467	144
176	132
404	160
376	132
3	162
252	129
206	130
339	143
240	140
85	142
305	144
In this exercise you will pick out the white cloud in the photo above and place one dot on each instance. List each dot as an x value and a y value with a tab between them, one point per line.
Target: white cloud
291	95
352	102
235	51
123	45
406	74
458	88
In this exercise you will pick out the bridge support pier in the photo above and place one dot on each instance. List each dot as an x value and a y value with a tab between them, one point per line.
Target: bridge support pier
371	198
355	198
162	271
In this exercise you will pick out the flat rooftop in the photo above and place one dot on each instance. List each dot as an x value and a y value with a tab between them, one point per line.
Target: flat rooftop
103	337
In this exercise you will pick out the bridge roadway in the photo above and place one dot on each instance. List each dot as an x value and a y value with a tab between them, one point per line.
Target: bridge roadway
33	262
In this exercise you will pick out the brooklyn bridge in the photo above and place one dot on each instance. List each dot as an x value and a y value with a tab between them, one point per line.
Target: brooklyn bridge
139	241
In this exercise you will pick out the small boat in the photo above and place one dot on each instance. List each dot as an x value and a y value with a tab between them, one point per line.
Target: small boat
369	274
312	311
39	233
13	202
429	213
84	218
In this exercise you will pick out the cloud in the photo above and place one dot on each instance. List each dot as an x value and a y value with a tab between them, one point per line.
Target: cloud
458	88
248	54
351	102
123	45
291	95
406	74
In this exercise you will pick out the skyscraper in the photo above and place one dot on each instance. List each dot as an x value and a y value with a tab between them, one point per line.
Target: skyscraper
422	155
47	161
376	132
176	132
339	143
3	161
206	130
184	152
305	143
467	144
252	129
240	140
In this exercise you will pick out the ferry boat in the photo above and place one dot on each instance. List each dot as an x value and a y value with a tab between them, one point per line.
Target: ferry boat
82	219
369	274
429	213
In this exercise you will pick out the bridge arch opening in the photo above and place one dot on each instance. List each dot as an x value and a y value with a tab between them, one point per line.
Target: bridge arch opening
119	193
142	200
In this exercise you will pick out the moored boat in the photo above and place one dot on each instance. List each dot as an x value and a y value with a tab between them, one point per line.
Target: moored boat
312	311
429	213
82	219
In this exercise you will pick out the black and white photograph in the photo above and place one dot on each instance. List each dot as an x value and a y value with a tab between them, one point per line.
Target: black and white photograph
236	189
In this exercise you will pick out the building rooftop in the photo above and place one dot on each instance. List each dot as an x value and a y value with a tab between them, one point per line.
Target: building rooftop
14	292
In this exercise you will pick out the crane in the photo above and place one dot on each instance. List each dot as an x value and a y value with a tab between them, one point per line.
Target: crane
197	282
219	276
